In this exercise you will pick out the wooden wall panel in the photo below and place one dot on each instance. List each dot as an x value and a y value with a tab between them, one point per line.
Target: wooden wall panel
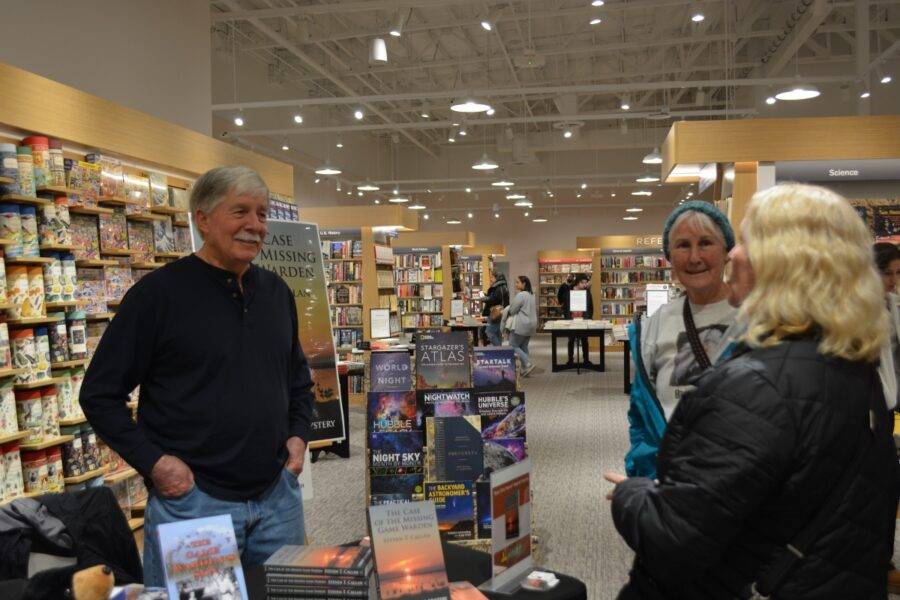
353	217
32	104
413	239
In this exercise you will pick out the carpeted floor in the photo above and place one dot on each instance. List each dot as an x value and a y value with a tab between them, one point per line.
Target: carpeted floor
577	428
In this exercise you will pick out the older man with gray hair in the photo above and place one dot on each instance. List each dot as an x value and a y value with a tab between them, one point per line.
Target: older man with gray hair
225	400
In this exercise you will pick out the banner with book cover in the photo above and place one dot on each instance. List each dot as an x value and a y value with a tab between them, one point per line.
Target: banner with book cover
293	251
439	425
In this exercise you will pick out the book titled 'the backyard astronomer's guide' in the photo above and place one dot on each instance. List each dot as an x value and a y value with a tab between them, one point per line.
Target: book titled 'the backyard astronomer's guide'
201	559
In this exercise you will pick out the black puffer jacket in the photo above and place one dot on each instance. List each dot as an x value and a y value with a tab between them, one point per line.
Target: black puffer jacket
747	460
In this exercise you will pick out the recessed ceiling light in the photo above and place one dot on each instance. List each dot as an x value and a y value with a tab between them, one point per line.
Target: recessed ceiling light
567	133
470	105
426	217
451	139
584	186
453	222
317	180
490	112
503	183
634	209
539	220
486	25
771	100
629	218
524	203
516	196
578	195
496	215
526	213
642	193
425	115
625	105
799	92
339	144
368	186
596	21
239	121
470	215
298	118
417	207
865	94
654	158
285	147
886	79
468	190
647	179
360	194
358	114
698	17
462	131
377	201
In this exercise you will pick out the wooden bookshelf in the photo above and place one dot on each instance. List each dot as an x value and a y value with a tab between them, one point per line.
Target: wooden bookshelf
120	476
13	437
34	385
117	201
10	372
57	247
7	241
90	210
84	476
477	266
57	190
167	210
100	316
66	364
7	180
20	199
74	421
553	268
117	252
48	443
96	262
147	218
146	265
28	260
65	304
29	321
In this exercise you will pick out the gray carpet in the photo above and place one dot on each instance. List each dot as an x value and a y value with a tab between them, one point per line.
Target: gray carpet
576	429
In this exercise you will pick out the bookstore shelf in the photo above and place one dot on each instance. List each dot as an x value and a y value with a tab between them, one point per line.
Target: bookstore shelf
84	476
48	443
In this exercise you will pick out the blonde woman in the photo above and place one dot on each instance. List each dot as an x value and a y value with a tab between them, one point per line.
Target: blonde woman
778	476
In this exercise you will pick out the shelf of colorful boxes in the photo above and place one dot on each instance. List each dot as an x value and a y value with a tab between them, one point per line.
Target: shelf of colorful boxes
75	239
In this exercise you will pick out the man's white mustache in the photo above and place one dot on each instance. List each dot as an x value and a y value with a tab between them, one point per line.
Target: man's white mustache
249	238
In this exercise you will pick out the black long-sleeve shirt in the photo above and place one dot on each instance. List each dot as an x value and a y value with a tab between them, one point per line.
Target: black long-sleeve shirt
224	381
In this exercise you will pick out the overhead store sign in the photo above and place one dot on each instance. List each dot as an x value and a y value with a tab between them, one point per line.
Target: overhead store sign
838	170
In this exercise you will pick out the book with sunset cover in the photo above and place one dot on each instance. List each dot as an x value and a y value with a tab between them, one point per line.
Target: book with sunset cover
320	560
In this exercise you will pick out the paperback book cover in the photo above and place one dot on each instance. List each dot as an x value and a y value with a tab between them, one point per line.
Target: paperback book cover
336	581
446	403
320	560
399	450
483	509
501	453
457	447
405	485
390	371
463	590
494	370
455	505
392	412
502	414
443	361
201	559
408	554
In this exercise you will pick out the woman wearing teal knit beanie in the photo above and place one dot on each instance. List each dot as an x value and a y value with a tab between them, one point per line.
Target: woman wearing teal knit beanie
684	337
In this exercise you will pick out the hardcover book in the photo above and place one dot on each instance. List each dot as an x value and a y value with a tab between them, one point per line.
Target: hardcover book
501	453
455	506
457	447
502	414
408	554
446	403
443	361
392	412
483	509
201	559
407	485
390	371
494	369
320	560
399	450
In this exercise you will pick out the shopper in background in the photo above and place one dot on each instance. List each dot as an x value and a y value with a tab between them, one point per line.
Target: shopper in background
495	301
684	337
579	282
887	259
520	319
225	403
562	293
778	474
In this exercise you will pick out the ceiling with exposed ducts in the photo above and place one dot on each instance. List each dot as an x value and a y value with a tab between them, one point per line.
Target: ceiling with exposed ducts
580	91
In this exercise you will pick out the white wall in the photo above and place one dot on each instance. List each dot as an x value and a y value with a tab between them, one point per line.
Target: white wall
151	55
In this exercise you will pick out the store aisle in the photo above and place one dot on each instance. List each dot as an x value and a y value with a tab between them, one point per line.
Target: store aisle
576	428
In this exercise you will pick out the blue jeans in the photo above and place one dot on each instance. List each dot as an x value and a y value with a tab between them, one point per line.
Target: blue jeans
520	345
492	331
261	526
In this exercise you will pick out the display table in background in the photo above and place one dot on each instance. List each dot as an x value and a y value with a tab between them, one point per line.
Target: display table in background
474	328
584	329
463	564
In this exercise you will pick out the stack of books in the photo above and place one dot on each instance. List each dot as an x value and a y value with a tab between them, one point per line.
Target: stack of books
320	572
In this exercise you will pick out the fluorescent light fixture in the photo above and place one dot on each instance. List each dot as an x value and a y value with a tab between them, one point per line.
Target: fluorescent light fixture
597	3
886	79
378	51
398	200
358	114
567	133
327	169
629	218
596	21
368	186
647	179
771	100
865	94
285	147
503	183
490	112
485	164
239	121
654	158
801	91
417	207
453	221
516	196
524	204
470	105
298	118
642	193
539	220
698	17
396	28
634	209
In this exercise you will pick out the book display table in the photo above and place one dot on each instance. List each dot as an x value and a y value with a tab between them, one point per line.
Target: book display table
570	329
463	564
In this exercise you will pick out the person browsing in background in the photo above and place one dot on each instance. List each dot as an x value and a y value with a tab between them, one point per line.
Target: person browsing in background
579	282
520	319
225	389
684	337
778	475
887	260
495	301
562	293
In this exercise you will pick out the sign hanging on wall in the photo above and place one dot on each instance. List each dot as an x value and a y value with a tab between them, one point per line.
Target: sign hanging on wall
838	170
293	251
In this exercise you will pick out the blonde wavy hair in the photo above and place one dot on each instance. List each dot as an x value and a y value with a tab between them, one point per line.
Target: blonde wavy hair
812	258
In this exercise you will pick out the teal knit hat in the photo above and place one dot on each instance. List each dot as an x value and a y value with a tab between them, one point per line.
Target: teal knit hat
707	209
